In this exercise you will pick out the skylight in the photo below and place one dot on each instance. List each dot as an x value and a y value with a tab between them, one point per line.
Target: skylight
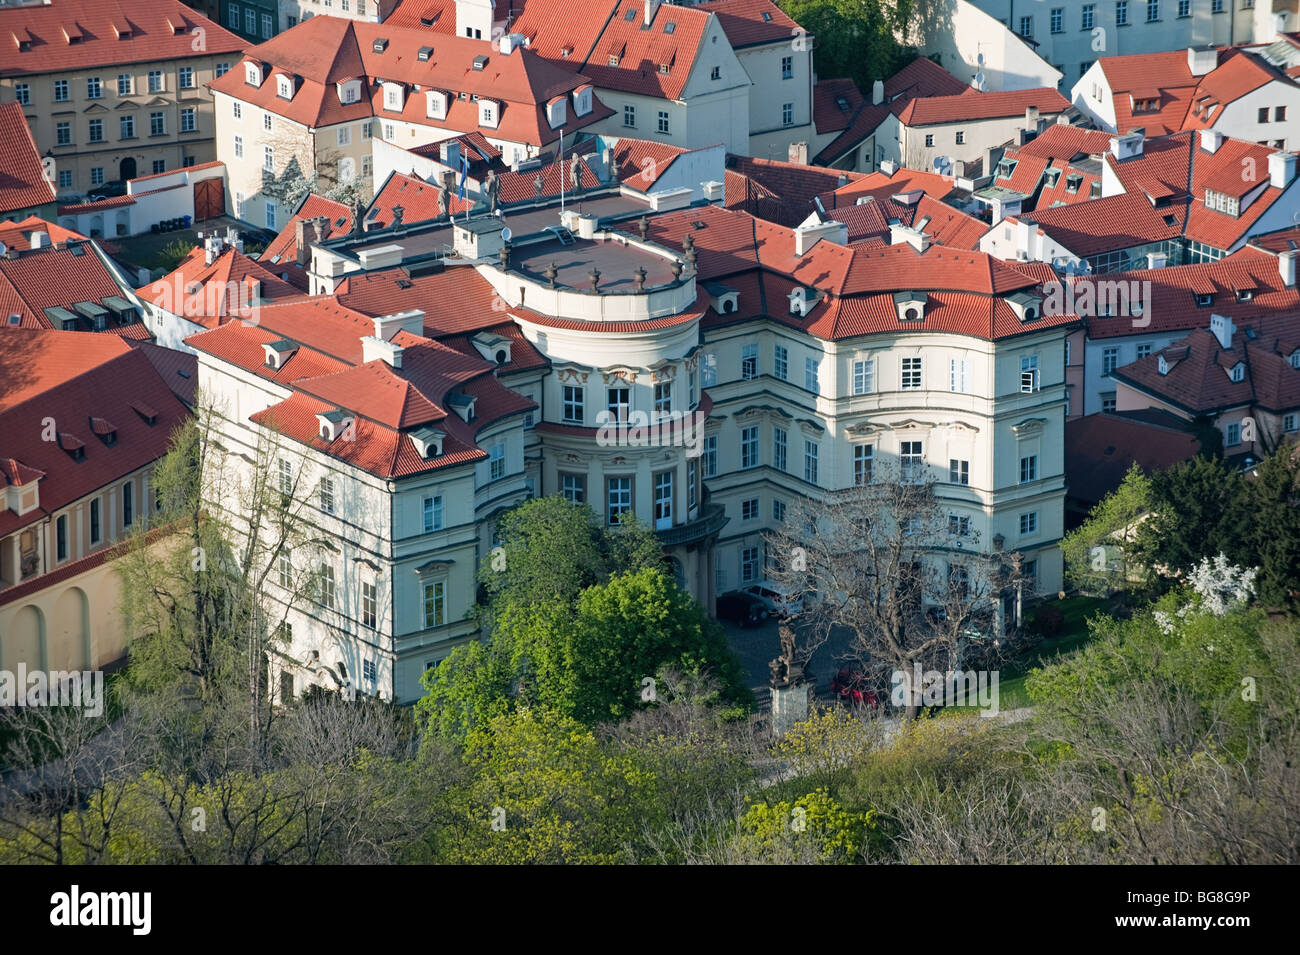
670	27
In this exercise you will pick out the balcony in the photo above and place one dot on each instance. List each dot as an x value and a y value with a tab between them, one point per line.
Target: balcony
711	520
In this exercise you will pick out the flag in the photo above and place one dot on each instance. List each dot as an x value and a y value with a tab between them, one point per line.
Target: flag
464	173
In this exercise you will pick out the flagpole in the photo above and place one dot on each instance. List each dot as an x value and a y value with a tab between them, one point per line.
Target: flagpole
561	173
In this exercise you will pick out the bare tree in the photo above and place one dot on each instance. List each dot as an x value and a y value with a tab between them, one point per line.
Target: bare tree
884	561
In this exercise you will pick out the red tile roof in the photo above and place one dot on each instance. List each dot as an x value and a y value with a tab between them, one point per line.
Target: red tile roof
640	162
159	30
630	59
18	235
418	199
944	224
1099	448
1108	224
880	186
22	178
281	254
178	369
210	294
835	104
972	105
79	377
753	22
554	26
52	277
793	184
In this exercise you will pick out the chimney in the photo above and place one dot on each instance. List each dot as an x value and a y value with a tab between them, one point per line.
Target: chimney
959	169
233	240
1286	265
376	348
211	249
878	93
806	236
300	237
1202	59
798	153
888	167
41	239
1129	145
1281	170
386	326
917	239
1212	139
1031	118
650	7
1222	328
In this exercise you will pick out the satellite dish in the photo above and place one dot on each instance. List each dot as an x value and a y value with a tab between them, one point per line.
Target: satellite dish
979	59
506	233
979	81
941	163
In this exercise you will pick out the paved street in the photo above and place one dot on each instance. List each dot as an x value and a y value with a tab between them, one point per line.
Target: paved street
758	645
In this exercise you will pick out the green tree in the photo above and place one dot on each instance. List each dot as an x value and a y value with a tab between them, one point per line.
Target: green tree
1274	530
1200	508
1098	552
855	38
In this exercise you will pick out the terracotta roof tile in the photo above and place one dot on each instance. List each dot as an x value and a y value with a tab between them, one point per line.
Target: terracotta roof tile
22	178
971	105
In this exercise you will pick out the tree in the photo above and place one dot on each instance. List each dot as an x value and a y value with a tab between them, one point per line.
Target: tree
1200	508
1274	531
1098	553
855	38
873	558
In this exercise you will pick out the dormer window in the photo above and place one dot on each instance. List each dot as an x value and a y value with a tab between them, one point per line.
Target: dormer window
1073	182
332	425
106	431
428	442
557	112
349	91
1204	299
75	447
910	306
284	87
582	100
613	59
1294	359
488	113
252	74
802	300
436	104
278	352
1237	372
394	96
1005	168
1245	294
1162	365
1027	307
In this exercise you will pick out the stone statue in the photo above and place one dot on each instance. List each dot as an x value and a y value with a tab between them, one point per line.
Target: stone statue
575	174
491	189
787	669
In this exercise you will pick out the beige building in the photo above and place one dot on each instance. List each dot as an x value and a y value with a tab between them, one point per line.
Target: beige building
114	92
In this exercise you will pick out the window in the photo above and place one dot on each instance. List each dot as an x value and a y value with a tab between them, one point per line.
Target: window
864	376
781	362
1028	373
573	487
716	74
344	136
270	215
284	568
157	124
959	525
389	132
369	604
1153	11
1058	19
239	204
159	165
572	403
63	134
1029	468
1144	350
128	504
1184	8
787	67
94	87
1279	114
929	139
749	446
1121	13
709	370
65	178
1108	402
239	147
749	509
97	175
787	114
61	533
1232	434
327	495
61	91
748	564
748	362
863	461
1029	522
1067	353
1290	423
709	456
1027	27
23	93
186	77
1263	114
250	21
959	375
266	26
810	374
497	462
286	687
124	84
1216	6
432	510
327	587
779	445
1109	360
911	374
961	137
619	403
267	122
188	114
692	494
958	471
1086	16
434	603
911	460
778	509
663	121
222	69
810	454
629	116
619	497
268	158
155	81
1084	67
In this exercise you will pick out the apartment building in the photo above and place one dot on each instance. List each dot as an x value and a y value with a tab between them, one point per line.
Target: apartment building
307	104
936	132
117	91
253	20
27	189
83	419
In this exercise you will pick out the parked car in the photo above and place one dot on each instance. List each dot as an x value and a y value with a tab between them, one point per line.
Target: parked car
109	190
742	608
851	686
779	599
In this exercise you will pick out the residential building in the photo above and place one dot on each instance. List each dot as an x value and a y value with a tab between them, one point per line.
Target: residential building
254	20
308	103
293	12
112	93
68	286
937	131
27	188
83	420
980	49
1059	166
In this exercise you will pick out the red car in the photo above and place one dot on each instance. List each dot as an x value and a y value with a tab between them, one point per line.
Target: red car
851	687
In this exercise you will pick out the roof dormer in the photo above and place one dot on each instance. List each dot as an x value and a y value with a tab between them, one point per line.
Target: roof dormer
494	348
1027	306
394	96
349	91
428	442
803	300
910	306
489	113
278	352
724	299
463	404
557	111
285	85
105	430
331	425
253	73
1237	372
436	104
582	100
